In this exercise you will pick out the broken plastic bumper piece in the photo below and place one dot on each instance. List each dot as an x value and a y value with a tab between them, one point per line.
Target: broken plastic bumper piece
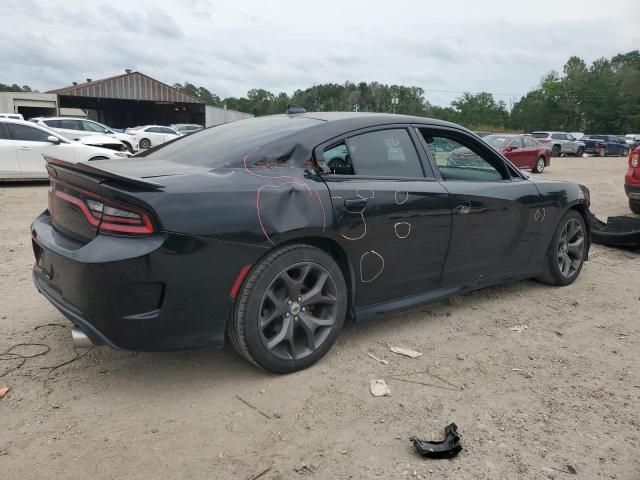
447	448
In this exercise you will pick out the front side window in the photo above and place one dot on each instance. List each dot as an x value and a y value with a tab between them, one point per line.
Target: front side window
27	134
3	136
69	124
153	130
53	123
168	130
384	153
92	127
463	161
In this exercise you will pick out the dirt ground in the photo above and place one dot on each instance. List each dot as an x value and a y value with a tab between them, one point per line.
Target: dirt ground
564	391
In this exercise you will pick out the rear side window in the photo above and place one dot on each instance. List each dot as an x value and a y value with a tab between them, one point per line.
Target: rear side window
559	136
540	134
385	153
517	142
27	134
52	123
229	143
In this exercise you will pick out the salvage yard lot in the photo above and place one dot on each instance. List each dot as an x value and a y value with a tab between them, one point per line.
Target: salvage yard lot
564	391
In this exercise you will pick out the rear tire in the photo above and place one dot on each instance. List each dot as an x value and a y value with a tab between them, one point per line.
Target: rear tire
567	251
634	205
539	166
291	309
555	151
580	152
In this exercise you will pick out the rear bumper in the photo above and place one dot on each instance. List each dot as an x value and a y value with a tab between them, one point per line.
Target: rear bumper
167	292
632	191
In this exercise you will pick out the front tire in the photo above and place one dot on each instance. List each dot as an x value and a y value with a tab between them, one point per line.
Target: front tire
539	166
567	251
129	147
634	205
291	309
145	143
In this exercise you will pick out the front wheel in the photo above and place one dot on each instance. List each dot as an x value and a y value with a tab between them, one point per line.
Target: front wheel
291	309
145	143
539	166
567	251
634	205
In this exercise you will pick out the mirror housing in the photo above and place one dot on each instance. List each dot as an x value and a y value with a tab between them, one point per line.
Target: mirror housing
512	147
52	139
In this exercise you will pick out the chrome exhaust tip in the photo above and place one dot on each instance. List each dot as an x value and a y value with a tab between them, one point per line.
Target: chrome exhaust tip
80	340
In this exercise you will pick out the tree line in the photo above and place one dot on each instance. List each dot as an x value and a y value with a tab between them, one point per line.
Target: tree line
602	97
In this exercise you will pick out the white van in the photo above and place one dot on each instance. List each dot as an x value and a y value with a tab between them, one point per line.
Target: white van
12	116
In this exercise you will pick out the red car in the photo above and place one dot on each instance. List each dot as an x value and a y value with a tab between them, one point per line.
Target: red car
632	181
524	151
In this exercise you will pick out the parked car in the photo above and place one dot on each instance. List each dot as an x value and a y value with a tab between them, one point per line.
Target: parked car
524	151
632	181
272	230
77	128
152	135
13	116
560	143
577	135
186	128
605	145
23	144
632	138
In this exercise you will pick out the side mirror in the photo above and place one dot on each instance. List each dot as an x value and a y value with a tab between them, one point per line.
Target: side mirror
106	130
52	139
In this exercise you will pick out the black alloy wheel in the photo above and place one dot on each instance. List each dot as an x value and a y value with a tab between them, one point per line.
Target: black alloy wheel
567	251
291	309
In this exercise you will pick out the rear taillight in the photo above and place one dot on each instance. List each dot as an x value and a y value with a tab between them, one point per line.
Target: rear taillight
105	215
634	159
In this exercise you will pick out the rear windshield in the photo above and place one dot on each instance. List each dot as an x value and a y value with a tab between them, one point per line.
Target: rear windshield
228	143
540	134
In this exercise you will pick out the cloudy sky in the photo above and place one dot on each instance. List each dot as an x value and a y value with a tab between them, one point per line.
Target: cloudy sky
445	47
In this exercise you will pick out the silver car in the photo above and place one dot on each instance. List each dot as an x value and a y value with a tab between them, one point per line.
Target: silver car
560	143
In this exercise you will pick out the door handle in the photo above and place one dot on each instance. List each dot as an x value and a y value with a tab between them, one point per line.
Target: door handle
463	208
24	148
355	204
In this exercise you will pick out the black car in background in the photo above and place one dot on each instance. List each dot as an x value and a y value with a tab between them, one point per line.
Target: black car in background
274	230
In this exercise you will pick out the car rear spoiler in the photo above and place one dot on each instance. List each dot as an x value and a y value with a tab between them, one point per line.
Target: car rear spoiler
103	174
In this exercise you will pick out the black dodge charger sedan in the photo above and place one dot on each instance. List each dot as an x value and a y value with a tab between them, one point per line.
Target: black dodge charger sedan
274	230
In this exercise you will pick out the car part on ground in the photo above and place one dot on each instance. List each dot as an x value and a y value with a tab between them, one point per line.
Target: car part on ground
447	448
246	230
619	231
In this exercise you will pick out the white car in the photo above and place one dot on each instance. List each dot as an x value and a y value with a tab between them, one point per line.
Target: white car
152	135
23	144
78	128
632	138
15	116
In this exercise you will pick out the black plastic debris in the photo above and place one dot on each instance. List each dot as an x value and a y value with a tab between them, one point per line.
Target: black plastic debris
447	448
617	232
